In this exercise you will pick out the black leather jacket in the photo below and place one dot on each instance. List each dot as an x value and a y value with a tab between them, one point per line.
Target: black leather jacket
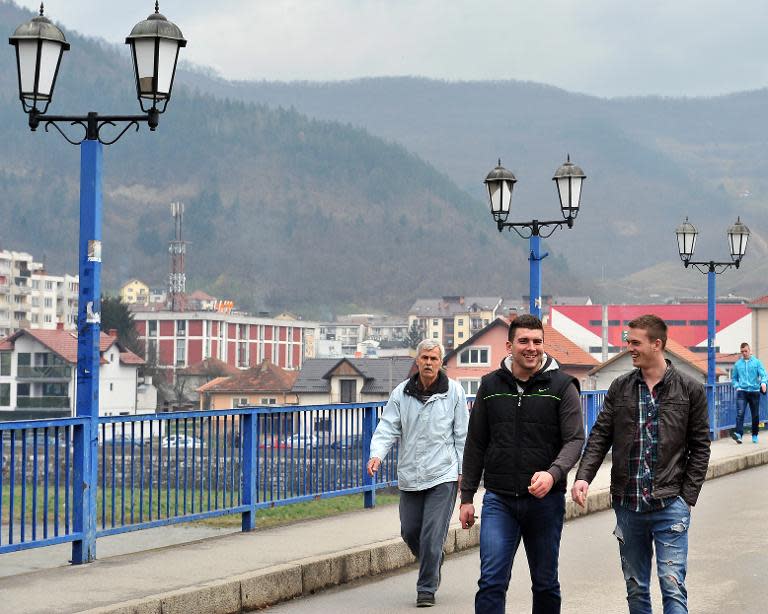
683	449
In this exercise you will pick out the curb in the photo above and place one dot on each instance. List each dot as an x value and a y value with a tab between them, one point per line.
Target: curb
266	587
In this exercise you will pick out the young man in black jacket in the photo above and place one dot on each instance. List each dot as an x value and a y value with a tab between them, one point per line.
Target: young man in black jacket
656	420
525	433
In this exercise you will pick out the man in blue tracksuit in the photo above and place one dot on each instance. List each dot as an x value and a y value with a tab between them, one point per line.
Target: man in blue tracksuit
749	379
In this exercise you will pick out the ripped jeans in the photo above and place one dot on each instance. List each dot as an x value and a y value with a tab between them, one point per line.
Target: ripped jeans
637	533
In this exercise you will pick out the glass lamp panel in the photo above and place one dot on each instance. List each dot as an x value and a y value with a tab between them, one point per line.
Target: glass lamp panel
166	65
500	195
144	53
686	242
49	62
27	54
738	241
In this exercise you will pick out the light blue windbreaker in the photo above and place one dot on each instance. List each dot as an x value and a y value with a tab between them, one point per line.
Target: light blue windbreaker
748	374
431	436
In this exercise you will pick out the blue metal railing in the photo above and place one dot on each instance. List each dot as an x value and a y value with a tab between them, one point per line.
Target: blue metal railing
164	469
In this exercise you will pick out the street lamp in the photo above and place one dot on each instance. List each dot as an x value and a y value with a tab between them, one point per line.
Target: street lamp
738	235
500	182
40	45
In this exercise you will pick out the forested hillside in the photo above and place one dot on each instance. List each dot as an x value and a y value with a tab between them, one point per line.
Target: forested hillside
283	211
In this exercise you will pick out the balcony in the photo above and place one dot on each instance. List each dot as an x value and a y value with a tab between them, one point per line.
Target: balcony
42	403
22	289
46	372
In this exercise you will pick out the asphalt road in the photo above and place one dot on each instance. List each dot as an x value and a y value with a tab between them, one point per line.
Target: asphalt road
728	553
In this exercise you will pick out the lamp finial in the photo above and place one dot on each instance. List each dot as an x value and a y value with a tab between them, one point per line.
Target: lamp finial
157	6
42	8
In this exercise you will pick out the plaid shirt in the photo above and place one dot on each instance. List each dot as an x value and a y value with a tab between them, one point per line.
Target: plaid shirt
638	494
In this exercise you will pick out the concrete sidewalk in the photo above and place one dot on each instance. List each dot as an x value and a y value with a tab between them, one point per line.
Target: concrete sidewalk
244	571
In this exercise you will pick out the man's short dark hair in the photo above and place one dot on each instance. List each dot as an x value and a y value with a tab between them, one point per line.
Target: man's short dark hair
653	325
744	345
528	321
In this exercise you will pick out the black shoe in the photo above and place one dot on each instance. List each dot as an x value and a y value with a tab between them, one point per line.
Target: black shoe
425	600
736	437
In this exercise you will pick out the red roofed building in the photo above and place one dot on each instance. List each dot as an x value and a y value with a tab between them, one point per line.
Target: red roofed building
687	324
38	376
264	384
484	351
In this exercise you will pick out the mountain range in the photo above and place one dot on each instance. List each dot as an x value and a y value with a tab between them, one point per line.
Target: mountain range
364	195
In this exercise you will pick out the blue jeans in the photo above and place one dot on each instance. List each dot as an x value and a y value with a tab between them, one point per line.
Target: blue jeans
638	533
506	520
744	398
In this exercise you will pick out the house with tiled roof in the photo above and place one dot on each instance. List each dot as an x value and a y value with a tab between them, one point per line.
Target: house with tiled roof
38	376
264	384
690	363
484	351
350	380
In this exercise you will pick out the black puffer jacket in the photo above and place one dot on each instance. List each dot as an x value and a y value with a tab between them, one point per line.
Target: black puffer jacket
683	452
514	434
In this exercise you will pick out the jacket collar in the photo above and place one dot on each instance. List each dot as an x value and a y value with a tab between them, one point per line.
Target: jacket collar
414	389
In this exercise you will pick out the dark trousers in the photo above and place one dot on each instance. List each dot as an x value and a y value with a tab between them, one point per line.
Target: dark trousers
424	519
505	521
744	398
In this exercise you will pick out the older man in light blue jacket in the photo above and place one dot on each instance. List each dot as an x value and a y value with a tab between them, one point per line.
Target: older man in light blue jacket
428	414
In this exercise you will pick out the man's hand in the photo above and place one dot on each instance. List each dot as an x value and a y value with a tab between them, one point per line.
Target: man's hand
466	515
541	483
579	492
373	465
762	388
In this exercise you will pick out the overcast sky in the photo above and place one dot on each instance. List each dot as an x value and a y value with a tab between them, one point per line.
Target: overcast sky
600	47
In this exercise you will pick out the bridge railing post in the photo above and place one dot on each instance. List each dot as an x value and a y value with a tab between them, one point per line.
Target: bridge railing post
248	426
369	426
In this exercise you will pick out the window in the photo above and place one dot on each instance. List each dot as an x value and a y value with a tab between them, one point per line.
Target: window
434	322
239	401
181	358
5	395
460	322
22	390
48	303
5	363
268	401
35	284
49	285
48	318
470	385
24	359
460	334
348	391
474	356
181	328
152	328
435	335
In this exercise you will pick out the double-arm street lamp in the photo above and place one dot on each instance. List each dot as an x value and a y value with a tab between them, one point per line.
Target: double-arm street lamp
40	45
500	181
738	235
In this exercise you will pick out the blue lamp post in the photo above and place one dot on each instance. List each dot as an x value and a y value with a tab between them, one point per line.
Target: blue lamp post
500	181
738	235
40	45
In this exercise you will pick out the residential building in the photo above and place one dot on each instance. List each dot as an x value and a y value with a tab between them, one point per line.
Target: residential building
759	333
690	363
134	292
599	329
29	296
350	380
190	379
201	301
355	329
175	340
264	384
486	349
38	376
451	320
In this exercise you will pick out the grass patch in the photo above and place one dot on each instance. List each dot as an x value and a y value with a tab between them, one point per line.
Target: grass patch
307	510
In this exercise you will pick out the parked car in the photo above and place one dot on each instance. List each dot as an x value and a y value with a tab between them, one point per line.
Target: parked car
300	440
349	442
272	442
171	441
